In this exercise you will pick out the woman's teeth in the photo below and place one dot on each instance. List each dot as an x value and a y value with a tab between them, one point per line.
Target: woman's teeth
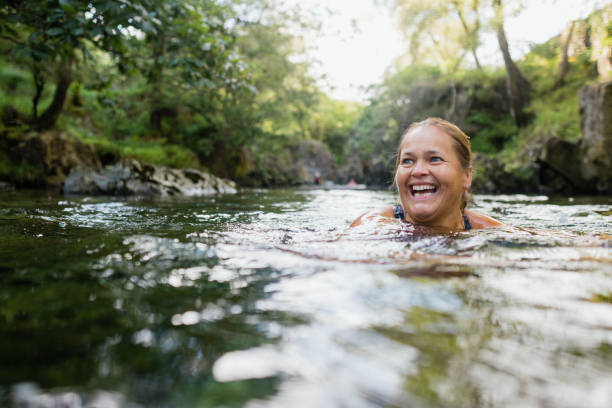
423	190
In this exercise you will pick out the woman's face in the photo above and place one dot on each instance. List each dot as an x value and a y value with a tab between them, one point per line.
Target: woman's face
430	178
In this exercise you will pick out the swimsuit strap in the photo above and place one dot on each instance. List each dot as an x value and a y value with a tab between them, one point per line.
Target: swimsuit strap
466	223
398	212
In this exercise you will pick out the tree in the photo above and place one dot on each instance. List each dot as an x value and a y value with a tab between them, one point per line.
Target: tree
188	46
518	86
434	25
427	19
47	36
563	67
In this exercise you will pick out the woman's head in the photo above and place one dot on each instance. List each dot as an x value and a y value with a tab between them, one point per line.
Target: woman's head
433	171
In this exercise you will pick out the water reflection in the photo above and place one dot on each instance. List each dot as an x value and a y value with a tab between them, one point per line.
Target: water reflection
265	299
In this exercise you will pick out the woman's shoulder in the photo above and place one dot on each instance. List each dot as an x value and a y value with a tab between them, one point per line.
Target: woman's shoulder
478	220
383	212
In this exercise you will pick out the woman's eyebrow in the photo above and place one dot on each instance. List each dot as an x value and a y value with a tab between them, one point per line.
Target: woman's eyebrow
427	152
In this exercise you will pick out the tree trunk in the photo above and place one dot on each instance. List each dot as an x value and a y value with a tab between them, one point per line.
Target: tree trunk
157	107
563	66
518	87
49	117
39	85
478	66
471	34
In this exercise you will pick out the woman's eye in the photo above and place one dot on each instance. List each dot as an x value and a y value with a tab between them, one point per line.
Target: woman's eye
436	159
407	161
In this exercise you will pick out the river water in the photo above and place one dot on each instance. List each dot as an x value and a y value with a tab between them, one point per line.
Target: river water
264	299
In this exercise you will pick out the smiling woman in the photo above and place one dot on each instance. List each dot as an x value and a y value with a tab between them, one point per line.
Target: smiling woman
433	175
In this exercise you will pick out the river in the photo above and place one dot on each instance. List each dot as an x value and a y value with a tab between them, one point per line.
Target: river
264	299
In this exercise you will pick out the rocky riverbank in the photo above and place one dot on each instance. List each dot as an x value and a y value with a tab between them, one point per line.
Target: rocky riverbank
555	166
52	160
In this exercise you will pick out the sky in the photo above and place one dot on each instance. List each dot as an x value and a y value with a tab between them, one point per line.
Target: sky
358	40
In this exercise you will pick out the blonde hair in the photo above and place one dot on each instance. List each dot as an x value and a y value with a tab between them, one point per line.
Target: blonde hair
462	147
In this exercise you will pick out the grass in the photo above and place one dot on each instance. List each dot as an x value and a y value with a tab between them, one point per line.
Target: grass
113	121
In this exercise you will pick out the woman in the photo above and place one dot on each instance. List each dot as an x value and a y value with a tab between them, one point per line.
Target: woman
433	174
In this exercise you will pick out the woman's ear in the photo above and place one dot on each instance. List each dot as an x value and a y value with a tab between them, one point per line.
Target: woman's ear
468	177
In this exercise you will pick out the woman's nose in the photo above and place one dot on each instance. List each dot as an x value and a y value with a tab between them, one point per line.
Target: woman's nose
420	168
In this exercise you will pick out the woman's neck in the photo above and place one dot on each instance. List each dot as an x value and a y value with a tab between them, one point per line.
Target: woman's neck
453	222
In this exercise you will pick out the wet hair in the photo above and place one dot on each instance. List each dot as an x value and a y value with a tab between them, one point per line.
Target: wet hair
462	147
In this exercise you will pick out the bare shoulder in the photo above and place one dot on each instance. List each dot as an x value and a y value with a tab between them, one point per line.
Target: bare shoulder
385	212
478	221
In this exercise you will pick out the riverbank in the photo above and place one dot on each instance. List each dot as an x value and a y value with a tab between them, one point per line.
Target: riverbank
564	144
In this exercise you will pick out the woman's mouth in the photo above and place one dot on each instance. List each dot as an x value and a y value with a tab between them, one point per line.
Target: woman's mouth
423	190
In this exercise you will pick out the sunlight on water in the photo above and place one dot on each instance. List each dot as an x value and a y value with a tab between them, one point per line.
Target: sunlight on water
266	299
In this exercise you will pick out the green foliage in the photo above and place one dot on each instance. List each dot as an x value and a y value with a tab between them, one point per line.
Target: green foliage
216	84
494	131
25	174
440	32
555	109
401	99
331	123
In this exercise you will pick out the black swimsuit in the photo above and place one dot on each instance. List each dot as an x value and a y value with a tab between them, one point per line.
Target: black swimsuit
398	212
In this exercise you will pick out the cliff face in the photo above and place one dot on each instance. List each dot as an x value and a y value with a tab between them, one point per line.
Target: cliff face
591	34
585	165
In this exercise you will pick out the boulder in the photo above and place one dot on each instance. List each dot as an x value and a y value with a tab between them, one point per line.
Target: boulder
586	165
312	161
595	103
49	156
490	176
560	169
378	173
131	177
351	170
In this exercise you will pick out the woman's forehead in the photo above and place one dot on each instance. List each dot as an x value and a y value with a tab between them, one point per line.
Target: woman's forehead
426	138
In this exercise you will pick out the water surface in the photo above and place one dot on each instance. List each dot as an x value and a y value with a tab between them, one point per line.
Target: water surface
264	299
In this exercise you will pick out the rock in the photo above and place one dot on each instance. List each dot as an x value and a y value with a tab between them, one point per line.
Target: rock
29	395
580	40
47	157
601	51
379	174
311	160
595	103
561	167
4	186
351	170
61	153
491	177
132	177
585	165
563	157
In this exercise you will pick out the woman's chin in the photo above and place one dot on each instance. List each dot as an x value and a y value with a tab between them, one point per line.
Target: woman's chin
421	212
421	217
